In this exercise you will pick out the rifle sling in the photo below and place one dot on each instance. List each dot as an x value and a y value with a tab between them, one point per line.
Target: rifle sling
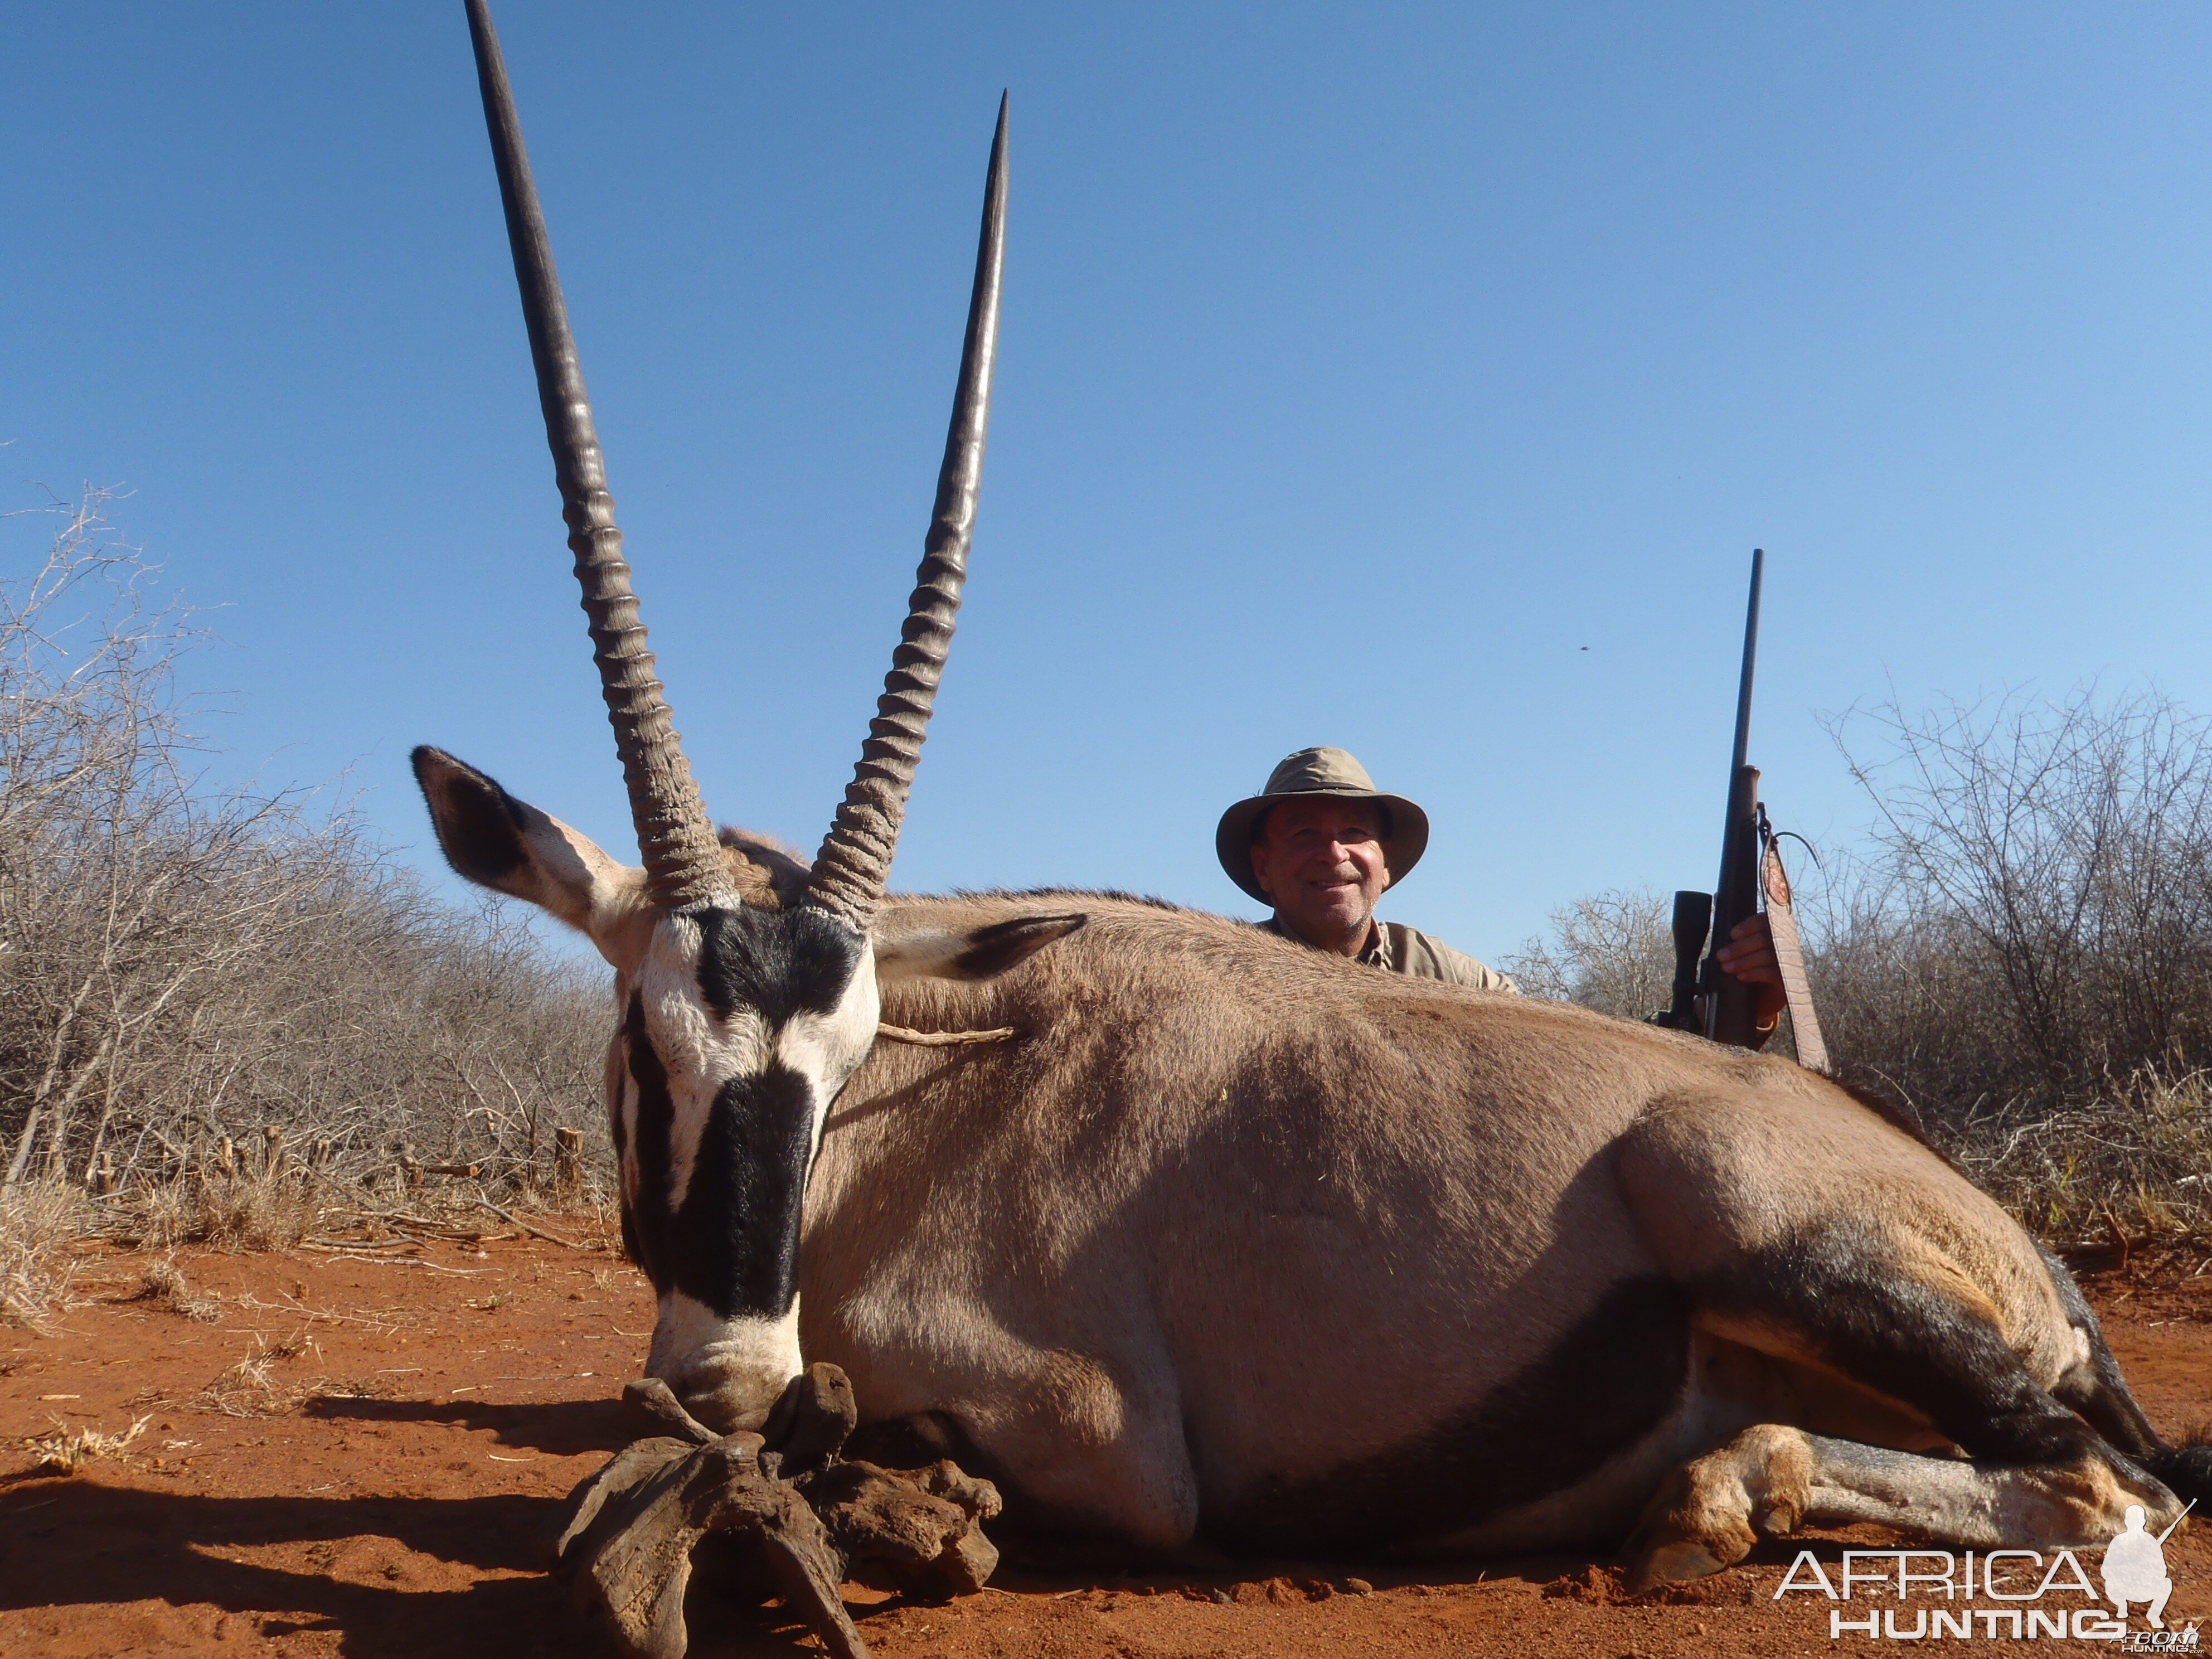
1782	922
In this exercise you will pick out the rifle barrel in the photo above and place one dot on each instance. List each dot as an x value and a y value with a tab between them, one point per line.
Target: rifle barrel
1750	661
2177	1520
1731	1006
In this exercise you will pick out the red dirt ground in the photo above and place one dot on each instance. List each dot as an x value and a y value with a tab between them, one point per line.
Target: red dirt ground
392	1490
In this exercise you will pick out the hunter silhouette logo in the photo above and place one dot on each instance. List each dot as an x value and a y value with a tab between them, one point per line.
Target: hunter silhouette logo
2135	1567
2028	1588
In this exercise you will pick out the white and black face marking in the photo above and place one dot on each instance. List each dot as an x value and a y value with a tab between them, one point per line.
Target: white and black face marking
738	1028
737	1024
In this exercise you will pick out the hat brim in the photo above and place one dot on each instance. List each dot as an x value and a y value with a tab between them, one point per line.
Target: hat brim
1232	837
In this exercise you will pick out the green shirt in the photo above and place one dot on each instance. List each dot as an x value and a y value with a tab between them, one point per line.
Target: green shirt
1398	948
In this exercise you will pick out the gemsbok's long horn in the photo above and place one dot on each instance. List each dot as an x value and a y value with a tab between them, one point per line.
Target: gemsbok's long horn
682	862
855	860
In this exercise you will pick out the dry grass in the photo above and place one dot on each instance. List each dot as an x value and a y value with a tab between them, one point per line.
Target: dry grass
230	1213
255	1214
163	1283
67	1450
248	1388
2135	1164
39	1221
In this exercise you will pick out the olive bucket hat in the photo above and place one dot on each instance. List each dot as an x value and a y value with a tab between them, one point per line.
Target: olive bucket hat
1319	772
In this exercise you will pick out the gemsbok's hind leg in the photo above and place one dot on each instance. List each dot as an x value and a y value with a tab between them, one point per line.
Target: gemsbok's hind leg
1771	1479
1844	1301
1840	1248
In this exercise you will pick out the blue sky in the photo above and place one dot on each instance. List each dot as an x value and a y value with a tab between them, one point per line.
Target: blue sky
1360	367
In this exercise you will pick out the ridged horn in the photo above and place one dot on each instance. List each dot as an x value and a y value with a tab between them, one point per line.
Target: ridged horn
683	862
855	860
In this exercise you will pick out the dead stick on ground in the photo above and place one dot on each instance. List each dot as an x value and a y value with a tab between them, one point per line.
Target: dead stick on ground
413	1261
946	1039
540	1232
422	1224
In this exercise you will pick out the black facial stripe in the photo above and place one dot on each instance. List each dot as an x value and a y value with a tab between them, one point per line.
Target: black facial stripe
1606	1382
656	1117
617	1070
734	1244
776	962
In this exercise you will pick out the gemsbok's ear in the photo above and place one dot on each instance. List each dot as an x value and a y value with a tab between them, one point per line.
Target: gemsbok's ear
509	846
940	952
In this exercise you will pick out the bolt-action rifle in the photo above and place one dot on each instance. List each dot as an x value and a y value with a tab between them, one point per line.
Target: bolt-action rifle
1706	1000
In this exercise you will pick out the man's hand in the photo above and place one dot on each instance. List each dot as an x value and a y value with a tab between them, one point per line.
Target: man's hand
1749	956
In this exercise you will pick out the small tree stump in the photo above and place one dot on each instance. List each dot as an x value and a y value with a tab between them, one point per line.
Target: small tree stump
568	1163
784	1513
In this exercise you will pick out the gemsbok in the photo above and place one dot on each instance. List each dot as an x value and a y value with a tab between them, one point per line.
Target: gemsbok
1231	1242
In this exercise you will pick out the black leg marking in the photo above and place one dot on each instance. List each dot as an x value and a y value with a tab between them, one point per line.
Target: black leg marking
2186	1470
1843	1293
1611	1379
2103	1397
909	1442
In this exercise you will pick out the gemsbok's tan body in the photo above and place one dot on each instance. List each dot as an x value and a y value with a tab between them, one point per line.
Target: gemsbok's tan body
1239	1240
1232	1241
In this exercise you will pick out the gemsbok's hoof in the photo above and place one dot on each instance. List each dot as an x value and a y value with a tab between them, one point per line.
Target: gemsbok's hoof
1670	1563
755	1520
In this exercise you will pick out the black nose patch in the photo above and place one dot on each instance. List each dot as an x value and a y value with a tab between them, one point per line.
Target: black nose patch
780	963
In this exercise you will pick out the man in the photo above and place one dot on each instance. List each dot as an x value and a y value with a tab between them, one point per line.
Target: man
1320	844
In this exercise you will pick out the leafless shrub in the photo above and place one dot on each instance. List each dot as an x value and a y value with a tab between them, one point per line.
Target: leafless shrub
2026	955
39	1221
219	1006
1612	952
2022	956
2062	854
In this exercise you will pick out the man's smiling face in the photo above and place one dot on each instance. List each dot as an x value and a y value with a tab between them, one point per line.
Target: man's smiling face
1323	863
